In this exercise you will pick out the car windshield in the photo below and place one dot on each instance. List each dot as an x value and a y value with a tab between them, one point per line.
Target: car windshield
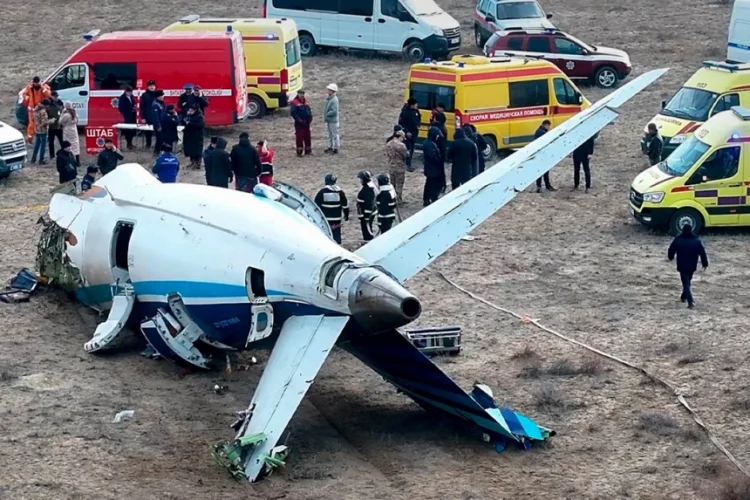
684	157
586	46
690	104
519	10
424	7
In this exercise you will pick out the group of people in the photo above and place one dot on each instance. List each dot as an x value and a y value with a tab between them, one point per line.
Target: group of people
302	115
372	201
165	120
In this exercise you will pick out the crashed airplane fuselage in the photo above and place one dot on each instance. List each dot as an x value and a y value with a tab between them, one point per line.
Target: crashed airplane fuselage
199	266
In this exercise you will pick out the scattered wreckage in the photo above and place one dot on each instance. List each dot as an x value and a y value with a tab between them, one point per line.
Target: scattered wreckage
201	269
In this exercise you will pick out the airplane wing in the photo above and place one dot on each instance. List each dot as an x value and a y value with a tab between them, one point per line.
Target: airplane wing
415	243
303	345
394	358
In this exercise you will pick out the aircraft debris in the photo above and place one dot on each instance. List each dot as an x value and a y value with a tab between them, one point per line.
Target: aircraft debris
123	415
433	341
21	287
232	455
221	389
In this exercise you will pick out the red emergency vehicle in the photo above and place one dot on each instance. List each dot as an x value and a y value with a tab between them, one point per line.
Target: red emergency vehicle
94	77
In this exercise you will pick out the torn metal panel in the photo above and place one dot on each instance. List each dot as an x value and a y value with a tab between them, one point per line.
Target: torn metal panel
52	260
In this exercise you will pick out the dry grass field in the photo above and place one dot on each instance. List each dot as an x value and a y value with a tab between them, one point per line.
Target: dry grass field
576	262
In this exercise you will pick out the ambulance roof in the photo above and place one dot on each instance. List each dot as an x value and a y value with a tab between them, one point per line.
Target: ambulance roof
500	67
727	126
720	77
245	24
160	35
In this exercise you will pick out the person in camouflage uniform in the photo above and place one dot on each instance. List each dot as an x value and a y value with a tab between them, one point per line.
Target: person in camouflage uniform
398	157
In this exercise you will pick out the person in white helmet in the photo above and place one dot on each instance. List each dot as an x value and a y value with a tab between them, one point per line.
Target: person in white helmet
331	118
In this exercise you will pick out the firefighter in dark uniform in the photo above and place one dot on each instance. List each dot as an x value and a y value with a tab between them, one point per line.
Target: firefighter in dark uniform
366	204
332	201
386	201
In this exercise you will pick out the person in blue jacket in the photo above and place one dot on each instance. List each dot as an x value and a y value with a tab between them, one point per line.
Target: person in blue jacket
166	165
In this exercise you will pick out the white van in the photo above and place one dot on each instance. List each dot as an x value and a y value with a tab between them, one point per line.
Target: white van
417	28
12	150
738	48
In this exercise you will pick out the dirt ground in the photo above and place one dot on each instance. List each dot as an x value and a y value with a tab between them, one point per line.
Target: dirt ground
577	262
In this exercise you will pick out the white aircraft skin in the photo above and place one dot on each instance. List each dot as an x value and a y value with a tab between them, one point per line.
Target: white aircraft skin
197	244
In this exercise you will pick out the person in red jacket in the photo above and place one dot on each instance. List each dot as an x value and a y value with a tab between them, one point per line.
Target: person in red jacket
266	163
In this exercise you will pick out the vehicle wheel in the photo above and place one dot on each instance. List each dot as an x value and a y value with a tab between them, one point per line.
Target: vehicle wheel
685	216
491	150
415	52
256	107
606	77
307	45
478	39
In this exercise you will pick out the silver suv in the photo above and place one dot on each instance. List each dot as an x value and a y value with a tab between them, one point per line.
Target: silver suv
497	15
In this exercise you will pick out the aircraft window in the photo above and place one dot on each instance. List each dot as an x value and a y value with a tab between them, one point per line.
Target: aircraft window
123	233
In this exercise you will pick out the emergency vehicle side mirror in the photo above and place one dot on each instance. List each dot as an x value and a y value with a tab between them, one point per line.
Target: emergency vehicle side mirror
549	16
580	99
663	104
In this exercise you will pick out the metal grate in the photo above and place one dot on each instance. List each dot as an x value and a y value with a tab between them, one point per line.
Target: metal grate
452	33
13	148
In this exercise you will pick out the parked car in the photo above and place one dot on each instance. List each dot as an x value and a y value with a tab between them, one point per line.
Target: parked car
495	15
12	150
417	28
602	66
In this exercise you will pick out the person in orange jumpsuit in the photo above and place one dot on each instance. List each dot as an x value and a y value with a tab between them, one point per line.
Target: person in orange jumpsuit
34	93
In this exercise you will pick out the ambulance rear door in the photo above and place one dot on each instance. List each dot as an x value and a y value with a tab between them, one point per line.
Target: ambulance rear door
239	77
71	82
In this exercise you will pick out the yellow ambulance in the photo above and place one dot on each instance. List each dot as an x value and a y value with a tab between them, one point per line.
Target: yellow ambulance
272	57
506	99
705	182
714	88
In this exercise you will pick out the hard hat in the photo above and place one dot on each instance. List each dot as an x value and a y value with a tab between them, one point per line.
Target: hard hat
383	179
364	175
333	87
330	179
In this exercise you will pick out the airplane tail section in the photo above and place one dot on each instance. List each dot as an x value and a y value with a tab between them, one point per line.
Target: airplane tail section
393	356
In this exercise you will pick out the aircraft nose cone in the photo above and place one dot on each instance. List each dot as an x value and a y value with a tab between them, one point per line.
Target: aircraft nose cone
378	302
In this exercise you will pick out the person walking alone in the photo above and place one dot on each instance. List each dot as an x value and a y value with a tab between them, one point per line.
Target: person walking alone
397	154
331	118
687	247
581	158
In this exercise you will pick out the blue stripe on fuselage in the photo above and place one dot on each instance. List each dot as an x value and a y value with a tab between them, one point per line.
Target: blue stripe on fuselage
228	323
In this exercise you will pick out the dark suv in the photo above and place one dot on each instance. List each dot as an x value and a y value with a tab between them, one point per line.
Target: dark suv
602	66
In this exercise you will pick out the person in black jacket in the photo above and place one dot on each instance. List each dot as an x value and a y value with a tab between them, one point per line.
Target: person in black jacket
170	120
442	143
386	202
581	157
334	205
366	204
688	248
108	157
156	111
126	107
219	165
146	102
409	119
481	143
463	156
543	129
434	168
192	136
66	164
245	164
